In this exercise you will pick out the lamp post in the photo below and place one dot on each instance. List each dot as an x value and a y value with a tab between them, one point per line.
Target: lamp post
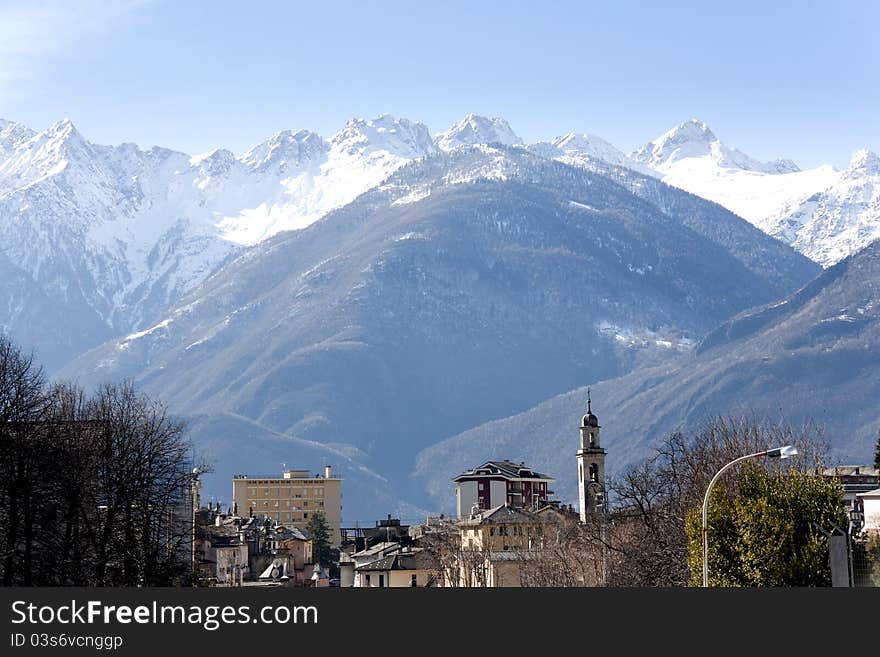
778	452
194	489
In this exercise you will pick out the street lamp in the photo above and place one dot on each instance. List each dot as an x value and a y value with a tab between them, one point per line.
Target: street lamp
783	452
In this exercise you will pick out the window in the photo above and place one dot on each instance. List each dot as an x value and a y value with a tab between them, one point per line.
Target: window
305	515
491	531
368	580
381	581
481	486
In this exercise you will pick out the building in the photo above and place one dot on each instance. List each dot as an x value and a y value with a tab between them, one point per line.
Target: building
496	542
870	504
855	479
497	483
355	539
591	466
405	567
291	499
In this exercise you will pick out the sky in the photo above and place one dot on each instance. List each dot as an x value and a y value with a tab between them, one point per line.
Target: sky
773	79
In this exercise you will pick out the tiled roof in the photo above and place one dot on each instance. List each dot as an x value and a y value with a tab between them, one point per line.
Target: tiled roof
504	515
415	560
377	549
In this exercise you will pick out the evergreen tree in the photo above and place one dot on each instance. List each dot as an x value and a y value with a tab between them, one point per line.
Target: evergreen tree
769	533
320	533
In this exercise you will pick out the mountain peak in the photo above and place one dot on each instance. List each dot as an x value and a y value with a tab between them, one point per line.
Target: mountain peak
864	162
692	130
693	138
285	148
63	128
476	129
12	134
398	136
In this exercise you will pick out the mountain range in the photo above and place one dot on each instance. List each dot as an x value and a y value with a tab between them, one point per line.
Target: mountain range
361	299
810	360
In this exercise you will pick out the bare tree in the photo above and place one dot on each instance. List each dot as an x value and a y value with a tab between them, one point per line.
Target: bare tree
93	489
647	539
23	402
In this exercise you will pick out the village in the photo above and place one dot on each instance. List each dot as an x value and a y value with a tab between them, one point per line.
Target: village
508	530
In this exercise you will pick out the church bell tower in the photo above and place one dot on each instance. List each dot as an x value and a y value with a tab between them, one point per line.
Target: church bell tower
591	466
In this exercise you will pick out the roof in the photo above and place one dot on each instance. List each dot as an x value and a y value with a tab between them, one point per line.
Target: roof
871	493
287	533
512	555
851	471
504	515
416	560
378	548
559	511
504	469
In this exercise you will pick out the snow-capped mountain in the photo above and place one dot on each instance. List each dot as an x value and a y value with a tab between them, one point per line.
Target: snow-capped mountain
840	220
824	213
420	309
117	233
112	235
585	150
807	360
474	129
694	139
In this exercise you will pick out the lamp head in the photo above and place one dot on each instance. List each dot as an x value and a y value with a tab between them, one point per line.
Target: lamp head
782	452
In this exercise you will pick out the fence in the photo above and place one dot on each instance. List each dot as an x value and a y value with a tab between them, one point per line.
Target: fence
866	561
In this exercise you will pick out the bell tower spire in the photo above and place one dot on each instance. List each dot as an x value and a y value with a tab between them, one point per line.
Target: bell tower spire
591	465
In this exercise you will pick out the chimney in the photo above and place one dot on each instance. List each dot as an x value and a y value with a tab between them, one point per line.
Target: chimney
328	471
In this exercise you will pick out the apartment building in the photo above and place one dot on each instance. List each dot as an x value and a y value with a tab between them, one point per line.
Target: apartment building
291	499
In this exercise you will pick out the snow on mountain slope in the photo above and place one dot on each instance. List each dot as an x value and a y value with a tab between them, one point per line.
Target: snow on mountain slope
583	149
329	175
824	213
694	139
11	135
842	219
474	129
121	233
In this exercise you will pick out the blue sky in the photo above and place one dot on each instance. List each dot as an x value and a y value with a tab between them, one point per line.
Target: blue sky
774	79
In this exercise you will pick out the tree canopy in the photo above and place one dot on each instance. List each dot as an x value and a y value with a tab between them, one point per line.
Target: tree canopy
320	533
768	532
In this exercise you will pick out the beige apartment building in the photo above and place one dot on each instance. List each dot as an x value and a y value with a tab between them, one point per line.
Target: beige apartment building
291	499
